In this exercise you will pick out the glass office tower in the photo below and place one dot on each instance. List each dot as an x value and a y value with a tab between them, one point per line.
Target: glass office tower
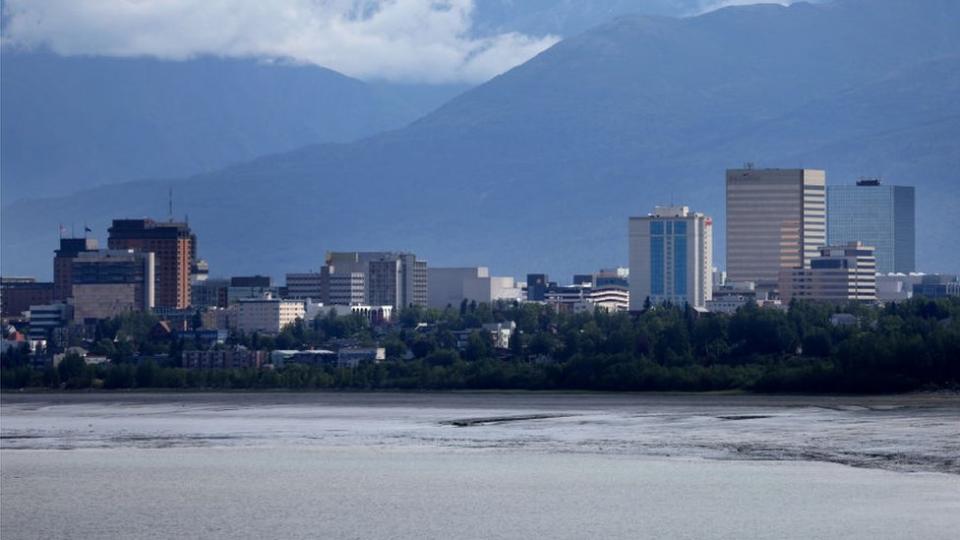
875	215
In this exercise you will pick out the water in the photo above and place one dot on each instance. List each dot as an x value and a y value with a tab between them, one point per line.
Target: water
478	466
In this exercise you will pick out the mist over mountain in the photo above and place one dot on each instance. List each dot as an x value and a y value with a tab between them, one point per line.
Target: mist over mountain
570	17
539	168
75	122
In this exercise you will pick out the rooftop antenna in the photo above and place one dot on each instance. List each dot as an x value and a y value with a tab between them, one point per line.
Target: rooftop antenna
170	205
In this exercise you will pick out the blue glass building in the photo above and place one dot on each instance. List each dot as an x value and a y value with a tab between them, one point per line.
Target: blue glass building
875	215
671	257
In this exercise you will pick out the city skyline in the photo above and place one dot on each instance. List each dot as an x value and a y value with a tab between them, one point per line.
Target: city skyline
443	269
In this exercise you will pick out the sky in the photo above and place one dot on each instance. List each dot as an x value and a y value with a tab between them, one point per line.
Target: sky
417	41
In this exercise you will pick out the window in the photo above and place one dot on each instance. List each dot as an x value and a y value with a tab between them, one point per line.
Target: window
656	265
680	265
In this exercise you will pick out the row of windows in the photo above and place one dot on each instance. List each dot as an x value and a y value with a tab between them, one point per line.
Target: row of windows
668	227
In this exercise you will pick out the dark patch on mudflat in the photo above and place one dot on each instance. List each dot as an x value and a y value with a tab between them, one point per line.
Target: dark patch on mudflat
490	420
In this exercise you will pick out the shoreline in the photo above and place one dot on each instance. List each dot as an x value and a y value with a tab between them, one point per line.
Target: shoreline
554	398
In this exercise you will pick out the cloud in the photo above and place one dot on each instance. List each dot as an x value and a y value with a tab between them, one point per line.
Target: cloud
399	40
713	5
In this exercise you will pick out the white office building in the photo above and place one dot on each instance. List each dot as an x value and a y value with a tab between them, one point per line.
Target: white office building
895	287
451	286
267	315
389	278
671	258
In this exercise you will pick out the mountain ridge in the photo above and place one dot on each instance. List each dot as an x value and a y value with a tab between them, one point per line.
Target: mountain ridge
538	169
74	122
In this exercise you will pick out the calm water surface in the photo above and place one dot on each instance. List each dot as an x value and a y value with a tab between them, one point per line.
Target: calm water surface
478	466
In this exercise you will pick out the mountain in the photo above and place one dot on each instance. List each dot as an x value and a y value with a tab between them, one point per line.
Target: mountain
75	122
538	169
570	17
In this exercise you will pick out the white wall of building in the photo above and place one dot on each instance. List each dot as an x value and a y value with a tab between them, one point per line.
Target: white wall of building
267	315
451	286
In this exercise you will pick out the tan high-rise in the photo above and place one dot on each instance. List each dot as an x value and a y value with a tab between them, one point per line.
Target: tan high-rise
776	218
172	245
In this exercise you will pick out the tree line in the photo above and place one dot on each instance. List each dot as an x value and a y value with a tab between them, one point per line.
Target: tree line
902	346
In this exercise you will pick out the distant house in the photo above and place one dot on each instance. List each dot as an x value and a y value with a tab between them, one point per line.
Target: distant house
203	338
237	358
320	357
843	319
161	331
354	356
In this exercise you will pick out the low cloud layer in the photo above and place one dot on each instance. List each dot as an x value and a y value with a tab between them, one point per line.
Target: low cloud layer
398	40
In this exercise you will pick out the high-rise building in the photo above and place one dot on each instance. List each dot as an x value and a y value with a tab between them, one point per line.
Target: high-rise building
172	245
63	264
839	274
671	258
389	278
210	293
110	282
301	286
345	288
776	218
877	215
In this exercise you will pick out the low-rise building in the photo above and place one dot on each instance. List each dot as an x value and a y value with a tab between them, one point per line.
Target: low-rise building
500	333
619	276
46	319
223	359
587	298
937	286
204	339
180	319
451	286
375	314
267	315
317	357
839	274
731	296
896	287
17	294
352	357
